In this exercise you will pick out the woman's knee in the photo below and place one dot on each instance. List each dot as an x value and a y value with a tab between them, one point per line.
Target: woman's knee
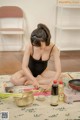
13	81
19	81
16	76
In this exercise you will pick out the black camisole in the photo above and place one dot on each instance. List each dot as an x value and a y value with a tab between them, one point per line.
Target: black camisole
37	66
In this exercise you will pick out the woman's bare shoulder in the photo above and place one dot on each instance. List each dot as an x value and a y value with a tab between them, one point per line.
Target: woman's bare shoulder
55	49
28	47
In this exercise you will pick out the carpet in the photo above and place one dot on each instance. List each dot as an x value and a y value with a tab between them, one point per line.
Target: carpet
39	110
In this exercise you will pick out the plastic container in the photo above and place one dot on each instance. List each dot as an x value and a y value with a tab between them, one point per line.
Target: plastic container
61	91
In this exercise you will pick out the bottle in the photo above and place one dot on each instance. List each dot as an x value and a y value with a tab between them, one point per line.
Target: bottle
54	94
61	91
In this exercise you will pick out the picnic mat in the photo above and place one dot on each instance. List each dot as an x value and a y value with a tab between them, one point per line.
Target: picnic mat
39	110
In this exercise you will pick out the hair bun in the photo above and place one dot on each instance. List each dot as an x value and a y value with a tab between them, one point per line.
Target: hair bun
40	25
45	28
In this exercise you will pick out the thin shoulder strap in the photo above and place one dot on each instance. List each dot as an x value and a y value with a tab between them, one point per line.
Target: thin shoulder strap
51	51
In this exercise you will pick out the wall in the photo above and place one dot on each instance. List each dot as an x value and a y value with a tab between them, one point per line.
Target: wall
68	37
36	11
44	11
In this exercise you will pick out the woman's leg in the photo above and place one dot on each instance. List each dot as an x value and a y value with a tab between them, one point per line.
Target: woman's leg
18	78
46	77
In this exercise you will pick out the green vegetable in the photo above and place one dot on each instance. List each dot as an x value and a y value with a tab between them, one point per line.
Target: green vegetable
6	95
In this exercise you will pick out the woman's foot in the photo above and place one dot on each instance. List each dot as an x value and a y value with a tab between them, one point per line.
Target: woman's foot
28	83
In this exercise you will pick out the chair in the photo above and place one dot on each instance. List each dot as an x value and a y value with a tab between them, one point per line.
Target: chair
11	28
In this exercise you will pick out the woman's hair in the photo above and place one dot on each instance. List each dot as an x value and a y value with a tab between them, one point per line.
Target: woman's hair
41	34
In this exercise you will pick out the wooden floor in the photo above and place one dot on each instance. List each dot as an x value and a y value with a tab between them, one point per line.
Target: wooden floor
10	62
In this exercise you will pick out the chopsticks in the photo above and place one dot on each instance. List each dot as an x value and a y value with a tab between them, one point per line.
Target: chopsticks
70	76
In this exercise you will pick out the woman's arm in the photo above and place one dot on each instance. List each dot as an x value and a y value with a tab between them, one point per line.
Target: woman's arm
25	62
57	63
56	56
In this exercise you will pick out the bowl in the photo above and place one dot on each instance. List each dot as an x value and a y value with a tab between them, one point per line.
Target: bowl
75	84
25	99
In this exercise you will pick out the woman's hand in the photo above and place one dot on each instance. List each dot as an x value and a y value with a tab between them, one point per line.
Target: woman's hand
49	86
36	84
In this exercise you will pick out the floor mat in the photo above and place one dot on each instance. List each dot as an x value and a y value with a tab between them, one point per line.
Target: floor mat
39	110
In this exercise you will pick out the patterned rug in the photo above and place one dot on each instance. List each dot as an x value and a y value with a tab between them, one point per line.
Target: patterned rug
39	110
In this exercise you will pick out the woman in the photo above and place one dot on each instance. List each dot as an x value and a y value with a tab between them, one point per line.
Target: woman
34	66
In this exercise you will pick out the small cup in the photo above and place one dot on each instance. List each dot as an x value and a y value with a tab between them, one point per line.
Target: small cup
9	89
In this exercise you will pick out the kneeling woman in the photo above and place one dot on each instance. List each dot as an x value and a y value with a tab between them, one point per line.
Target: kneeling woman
36	56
